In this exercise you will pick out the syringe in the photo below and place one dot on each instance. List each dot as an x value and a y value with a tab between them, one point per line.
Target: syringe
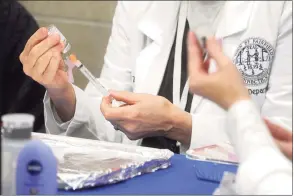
73	59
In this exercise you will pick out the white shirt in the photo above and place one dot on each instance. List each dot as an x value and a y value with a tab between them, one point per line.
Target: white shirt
263	168
203	16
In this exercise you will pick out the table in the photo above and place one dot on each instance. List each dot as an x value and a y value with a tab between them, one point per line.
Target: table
180	178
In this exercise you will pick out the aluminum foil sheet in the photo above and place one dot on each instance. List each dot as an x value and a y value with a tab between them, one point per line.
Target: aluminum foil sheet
89	163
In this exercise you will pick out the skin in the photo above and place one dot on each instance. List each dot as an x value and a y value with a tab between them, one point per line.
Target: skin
146	115
42	61
139	118
142	116
225	86
214	85
282	137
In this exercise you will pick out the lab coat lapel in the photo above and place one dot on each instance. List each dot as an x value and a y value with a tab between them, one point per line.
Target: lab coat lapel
158	24
234	19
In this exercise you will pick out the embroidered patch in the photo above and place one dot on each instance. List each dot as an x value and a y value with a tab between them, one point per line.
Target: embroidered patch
253	59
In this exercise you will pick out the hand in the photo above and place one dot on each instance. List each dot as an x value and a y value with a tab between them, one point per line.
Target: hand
225	86
143	115
42	61
282	137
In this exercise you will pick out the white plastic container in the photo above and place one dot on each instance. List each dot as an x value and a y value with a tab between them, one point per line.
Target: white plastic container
16	132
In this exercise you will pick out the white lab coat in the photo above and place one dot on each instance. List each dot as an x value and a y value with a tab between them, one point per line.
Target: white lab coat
263	169
138	50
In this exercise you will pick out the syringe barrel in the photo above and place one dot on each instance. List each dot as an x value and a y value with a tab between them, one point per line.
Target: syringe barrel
94	81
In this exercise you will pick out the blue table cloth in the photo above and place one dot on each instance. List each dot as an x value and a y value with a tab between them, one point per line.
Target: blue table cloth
179	178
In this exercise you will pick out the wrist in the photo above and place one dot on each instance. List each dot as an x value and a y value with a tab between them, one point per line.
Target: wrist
180	119
235	100
64	101
181	122
235	96
59	92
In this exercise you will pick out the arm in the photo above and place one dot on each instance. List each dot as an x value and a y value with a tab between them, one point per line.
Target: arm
87	120
183	124
278	104
263	168
182	128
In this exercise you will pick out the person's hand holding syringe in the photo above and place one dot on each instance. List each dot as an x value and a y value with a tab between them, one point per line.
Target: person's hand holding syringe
72	59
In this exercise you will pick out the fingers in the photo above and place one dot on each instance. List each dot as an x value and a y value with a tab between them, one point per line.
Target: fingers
106	101
51	70
278	132
38	50
41	56
124	96
117	113
286	148
215	52
36	38
198	70
195	56
44	60
108	111
46	66
282	137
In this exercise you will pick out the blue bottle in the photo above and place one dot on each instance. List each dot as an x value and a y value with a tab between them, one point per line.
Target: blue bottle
36	170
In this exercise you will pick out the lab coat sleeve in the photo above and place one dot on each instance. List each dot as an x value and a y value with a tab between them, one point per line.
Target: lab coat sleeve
278	103
263	168
208	129
88	121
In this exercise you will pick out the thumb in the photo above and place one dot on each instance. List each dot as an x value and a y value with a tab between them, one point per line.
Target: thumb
215	51
278	132
106	101
195	61
124	96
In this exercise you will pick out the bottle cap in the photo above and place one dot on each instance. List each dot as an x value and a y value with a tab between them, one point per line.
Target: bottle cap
17	126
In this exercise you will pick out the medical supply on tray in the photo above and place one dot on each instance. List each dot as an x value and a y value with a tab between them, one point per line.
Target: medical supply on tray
218	153
36	170
16	132
84	163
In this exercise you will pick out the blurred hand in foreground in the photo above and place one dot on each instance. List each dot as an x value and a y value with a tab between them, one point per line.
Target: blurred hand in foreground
225	86
282	137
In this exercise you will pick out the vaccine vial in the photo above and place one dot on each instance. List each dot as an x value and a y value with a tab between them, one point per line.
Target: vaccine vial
53	29
16	132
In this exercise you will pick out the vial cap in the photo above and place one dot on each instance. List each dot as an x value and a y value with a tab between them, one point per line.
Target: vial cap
17	126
